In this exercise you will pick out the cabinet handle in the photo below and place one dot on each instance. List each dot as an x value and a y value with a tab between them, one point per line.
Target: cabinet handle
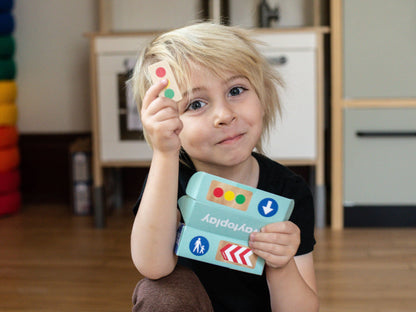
278	60
386	133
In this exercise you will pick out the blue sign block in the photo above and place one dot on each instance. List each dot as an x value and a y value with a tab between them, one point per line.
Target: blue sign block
211	248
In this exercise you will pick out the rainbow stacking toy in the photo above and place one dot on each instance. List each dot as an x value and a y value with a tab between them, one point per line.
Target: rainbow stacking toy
219	215
10	195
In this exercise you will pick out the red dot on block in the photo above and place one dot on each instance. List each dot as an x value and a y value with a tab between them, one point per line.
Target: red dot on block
160	72
218	192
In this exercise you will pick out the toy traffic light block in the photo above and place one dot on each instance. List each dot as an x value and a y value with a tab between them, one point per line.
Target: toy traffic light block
161	70
218	250
239	199
220	215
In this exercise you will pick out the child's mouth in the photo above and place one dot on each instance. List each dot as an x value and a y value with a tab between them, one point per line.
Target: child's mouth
231	139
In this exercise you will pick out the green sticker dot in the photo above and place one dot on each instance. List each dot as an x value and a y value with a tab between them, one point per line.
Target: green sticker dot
169	93
240	199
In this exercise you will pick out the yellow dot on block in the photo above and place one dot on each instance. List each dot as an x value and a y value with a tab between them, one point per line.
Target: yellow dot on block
229	195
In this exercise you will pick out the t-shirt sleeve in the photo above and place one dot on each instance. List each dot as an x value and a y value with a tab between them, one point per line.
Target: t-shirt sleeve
303	214
185	173
137	204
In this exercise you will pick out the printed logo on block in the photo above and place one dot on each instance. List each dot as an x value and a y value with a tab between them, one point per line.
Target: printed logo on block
236	254
228	195
268	207
199	246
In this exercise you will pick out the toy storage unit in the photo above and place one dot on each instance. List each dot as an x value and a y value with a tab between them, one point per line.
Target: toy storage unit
379	166
10	197
373	113
297	140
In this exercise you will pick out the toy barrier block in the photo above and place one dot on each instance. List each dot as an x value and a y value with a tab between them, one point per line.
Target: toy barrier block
239	198
218	250
219	215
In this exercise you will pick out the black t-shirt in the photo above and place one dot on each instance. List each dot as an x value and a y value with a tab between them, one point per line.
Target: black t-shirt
231	290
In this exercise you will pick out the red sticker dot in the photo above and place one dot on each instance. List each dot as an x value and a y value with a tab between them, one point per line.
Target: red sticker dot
160	72
218	192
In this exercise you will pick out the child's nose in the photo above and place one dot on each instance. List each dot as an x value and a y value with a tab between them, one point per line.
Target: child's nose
224	114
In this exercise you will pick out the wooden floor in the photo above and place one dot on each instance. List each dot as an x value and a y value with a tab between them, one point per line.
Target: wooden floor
53	261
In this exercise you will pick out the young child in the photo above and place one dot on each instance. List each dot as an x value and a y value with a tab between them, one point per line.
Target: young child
228	107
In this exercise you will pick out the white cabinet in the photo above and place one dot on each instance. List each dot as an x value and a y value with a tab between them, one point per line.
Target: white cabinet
294	137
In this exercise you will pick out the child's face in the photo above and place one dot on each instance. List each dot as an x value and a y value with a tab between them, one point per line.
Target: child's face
222	120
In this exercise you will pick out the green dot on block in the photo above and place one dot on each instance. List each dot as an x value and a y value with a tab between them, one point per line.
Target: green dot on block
240	199
169	93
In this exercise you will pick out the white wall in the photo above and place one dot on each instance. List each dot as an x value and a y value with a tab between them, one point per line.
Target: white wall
52	52
292	13
52	62
130	15
162	14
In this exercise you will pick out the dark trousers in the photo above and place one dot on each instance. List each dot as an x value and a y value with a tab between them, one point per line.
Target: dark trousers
181	291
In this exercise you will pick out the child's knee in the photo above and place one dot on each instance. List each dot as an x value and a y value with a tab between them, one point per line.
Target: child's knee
179	291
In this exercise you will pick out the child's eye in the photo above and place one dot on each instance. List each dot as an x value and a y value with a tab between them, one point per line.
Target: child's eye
195	105
237	91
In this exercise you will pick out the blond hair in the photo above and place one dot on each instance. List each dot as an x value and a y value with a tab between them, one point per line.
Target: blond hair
218	48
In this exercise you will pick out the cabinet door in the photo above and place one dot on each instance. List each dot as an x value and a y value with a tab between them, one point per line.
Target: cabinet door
379	48
379	153
295	134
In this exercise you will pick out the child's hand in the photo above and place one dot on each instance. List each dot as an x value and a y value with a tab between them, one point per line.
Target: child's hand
277	243
160	119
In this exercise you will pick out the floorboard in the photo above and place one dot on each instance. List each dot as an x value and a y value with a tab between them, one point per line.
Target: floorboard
51	260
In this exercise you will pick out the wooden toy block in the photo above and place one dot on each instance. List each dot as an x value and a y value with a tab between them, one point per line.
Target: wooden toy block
255	203
161	70
218	250
220	215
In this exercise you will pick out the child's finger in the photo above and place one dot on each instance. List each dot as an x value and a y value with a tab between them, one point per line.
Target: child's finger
272	260
275	254
287	227
272	238
153	92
